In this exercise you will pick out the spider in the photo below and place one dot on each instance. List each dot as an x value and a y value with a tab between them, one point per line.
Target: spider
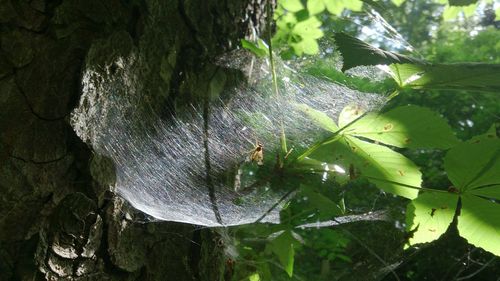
257	154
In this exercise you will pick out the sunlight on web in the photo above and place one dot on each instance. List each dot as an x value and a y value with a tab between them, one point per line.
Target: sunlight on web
186	170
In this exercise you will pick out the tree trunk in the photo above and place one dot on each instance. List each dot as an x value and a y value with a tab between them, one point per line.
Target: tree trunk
59	219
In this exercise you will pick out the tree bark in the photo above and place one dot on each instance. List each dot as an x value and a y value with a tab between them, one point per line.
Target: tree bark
59	219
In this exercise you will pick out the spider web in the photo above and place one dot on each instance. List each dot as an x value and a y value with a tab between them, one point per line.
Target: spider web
188	168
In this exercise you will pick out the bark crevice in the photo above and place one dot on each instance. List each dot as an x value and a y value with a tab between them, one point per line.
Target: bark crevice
56	195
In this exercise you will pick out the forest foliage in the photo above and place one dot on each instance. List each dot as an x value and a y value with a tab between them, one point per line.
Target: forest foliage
446	176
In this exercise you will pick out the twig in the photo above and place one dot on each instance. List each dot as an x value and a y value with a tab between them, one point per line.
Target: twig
370	251
477	271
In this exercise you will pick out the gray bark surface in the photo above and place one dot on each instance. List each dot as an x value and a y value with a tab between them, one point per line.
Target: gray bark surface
59	217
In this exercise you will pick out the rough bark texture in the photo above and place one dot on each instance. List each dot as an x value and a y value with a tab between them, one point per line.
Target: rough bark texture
59	219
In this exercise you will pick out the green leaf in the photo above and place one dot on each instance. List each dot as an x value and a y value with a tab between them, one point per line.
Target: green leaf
387	169
260	49
336	7
459	76
334	171
254	277
292	5
490	134
320	118
473	165
404	74
356	52
416	74
398	2
307	46
285	21
467	7
451	12
326	207
309	28
353	5
283	247
263	46
497	14
461	2
349	114
473	168
315	6
342	205
406	126
469	10
429	216
492	192
479	223
308	31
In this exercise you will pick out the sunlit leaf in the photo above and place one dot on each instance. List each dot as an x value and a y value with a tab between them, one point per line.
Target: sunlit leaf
403	74
309	28
335	7
335	171
260	49
307	46
356	52
254	277
292	5
387	169
473	168
407	126
307	32
459	76
473	165
320	118
451	12
398	2
467	7
315	6
262	45
349	114
285	21
469	10
479	223
353	5
429	216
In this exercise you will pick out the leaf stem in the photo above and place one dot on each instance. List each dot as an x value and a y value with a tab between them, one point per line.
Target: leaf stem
393	94
335	136
284	149
410	186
